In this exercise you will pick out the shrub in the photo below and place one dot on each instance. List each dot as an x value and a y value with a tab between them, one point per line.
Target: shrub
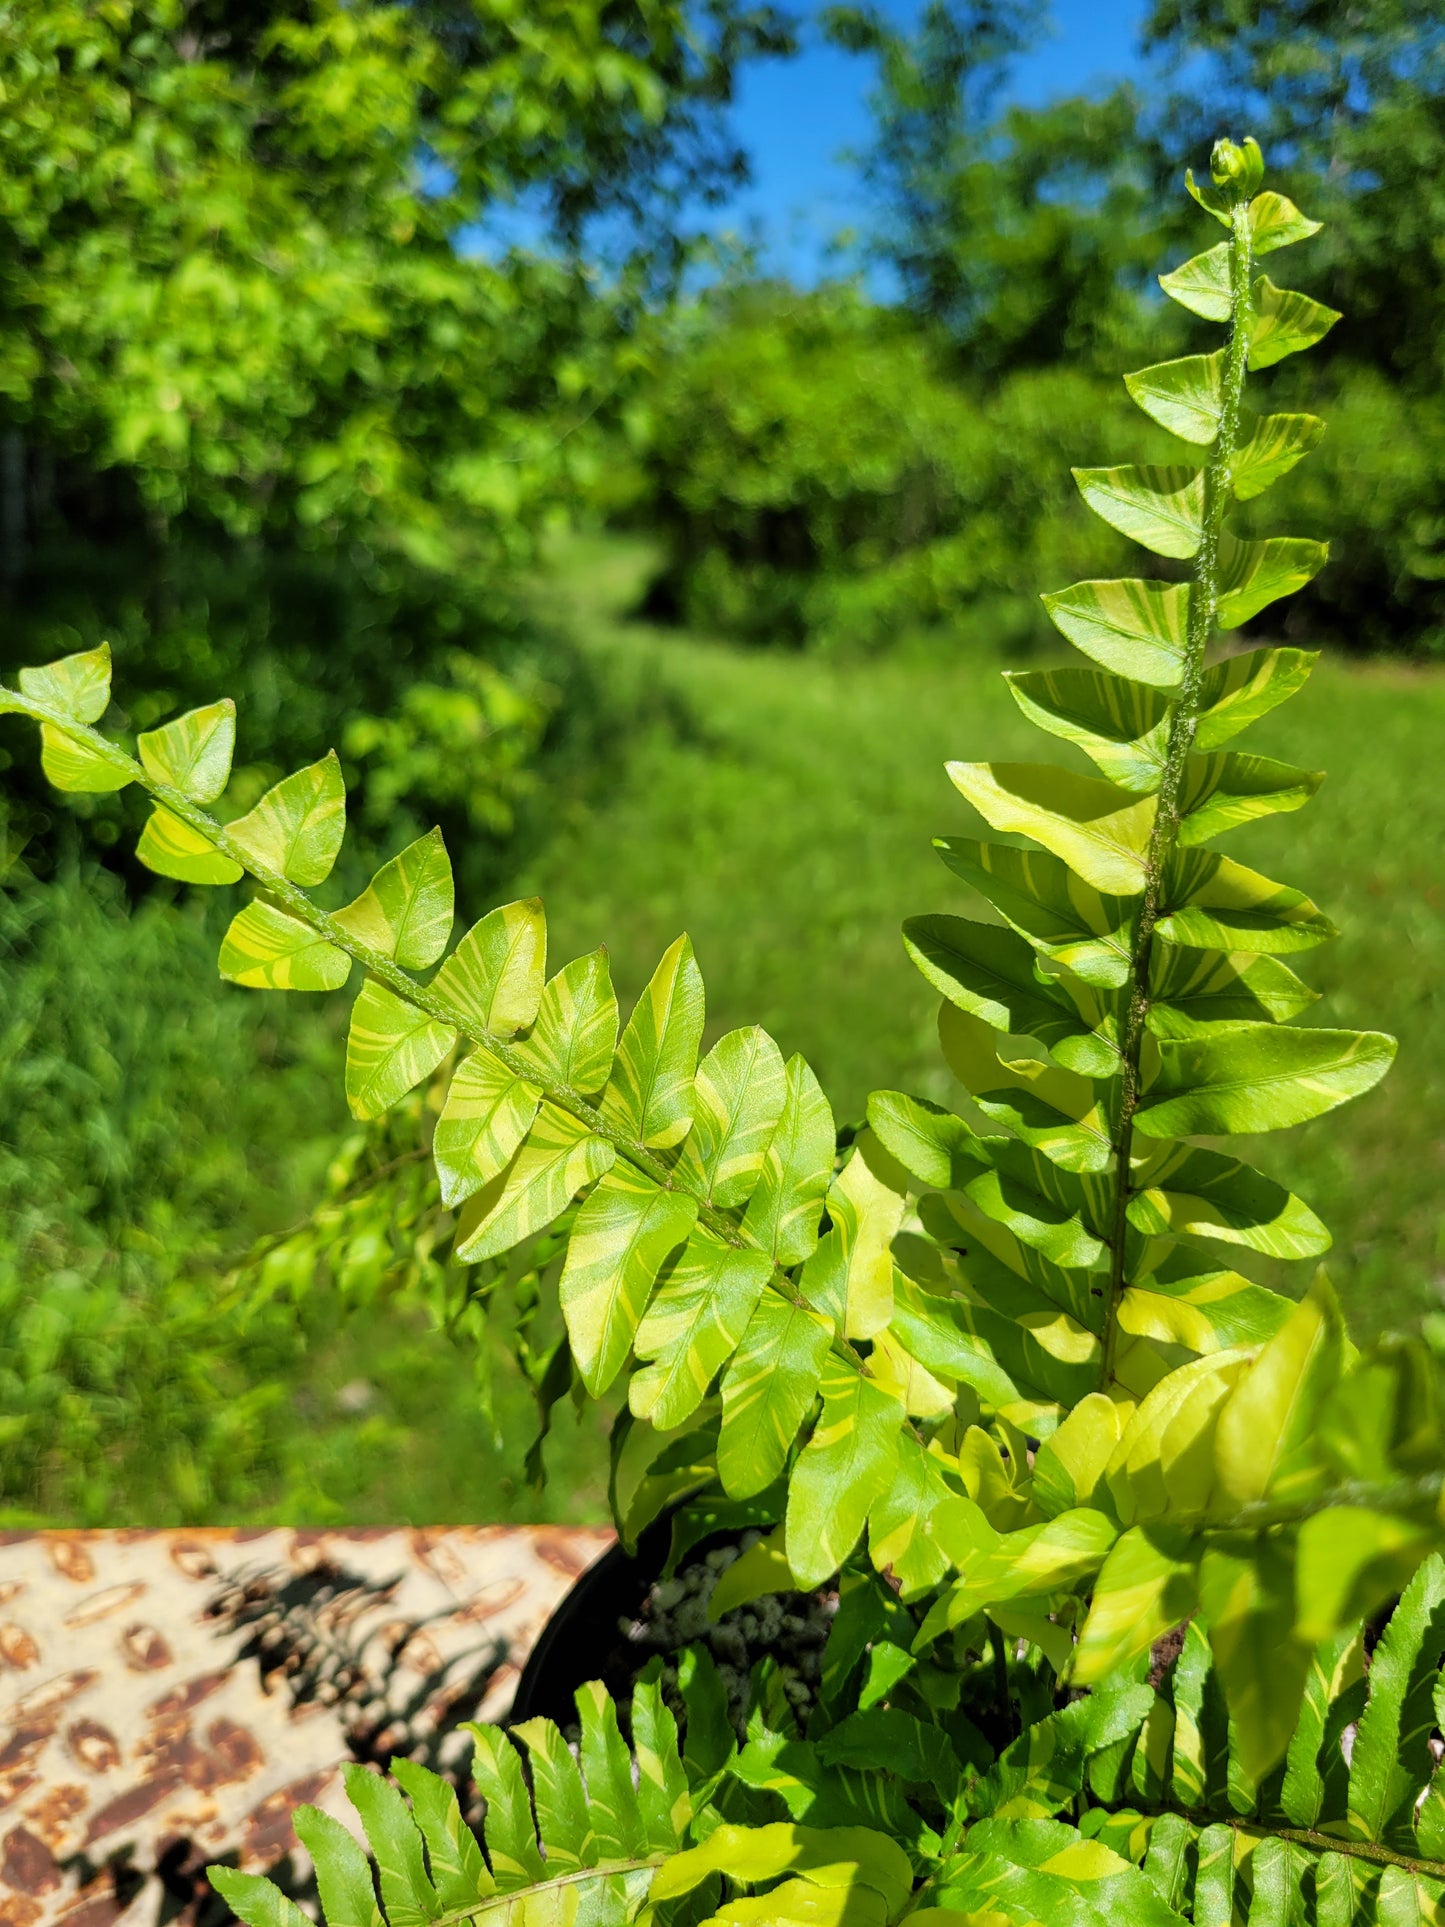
1107	1517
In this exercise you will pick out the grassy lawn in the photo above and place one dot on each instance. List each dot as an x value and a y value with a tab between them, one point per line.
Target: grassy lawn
780	807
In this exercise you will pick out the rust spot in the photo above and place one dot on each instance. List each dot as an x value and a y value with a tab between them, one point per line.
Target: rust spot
17	1648
130	1806
29	1865
94	1909
180	1699
230	1753
17	1911
419	1655
268	1832
570	1551
12	1785
435	1555
23	1744
41	1700
491	1599
144	1649
71	1560
53	1811
94	1746
101	1604
192	1559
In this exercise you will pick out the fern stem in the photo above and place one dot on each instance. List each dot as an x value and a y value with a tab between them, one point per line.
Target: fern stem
1183	723
390	973
1332	1843
503	1903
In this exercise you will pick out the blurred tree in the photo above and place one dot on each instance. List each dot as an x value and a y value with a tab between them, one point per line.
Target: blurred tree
244	364
1351	96
1027	237
229	264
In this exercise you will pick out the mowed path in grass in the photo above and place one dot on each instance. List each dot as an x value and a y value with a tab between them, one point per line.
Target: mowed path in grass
779	808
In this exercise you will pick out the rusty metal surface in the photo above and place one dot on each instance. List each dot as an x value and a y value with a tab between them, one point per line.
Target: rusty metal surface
169	1698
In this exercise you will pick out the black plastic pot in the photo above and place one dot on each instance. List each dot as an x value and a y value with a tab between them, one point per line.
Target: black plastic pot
581	1640
606	1628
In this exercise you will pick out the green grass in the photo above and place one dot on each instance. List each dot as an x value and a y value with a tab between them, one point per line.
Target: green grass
780	807
777	806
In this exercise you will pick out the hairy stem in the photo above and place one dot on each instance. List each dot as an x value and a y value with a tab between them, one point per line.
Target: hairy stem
390	973
1183	723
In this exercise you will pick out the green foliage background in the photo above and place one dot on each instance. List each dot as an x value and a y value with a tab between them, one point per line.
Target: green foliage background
215	455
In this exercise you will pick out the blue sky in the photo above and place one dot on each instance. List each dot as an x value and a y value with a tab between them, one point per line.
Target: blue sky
797	117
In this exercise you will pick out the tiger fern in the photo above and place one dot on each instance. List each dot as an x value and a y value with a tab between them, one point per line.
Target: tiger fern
1007	1365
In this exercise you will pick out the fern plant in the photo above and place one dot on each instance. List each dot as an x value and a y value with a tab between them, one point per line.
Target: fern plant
1002	1358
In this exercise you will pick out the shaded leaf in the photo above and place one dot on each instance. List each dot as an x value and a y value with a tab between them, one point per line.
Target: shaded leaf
297	828
901	1543
558	1157
1391	1758
256	1901
649	1094
1210	902
1188	1190
1053	1110
1119	722
1202	284
169	846
1259	1077
662	1793
1161	508
193	753
407	1894
73	766
1194	992
767	1391
1039	896
576	1029
923	1137
738	1098
1254	574
785	1209
1273	447
493	979
343	1878
1099	830
76	686
694	1325
406	910
1145	1586
390	1048
1275	222
564	1825
612	1799
1246	1590
266	949
1284	323
1232	787
620	1238
846	1464
1187	1299
1132	627
457	1868
510	1837
488	1112
1265	1440
1185	397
